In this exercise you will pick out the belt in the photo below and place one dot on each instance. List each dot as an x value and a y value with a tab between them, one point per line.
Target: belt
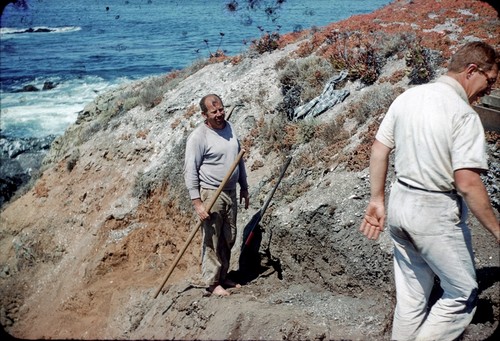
452	191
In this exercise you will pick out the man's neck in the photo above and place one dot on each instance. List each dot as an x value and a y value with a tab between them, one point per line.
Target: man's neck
461	78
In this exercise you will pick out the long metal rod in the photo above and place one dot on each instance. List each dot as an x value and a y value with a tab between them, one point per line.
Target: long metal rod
258	216
283	170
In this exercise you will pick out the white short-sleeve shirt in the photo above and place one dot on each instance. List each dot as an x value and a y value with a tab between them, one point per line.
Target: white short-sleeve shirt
434	131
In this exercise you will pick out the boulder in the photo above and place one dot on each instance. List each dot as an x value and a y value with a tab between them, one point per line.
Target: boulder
21	158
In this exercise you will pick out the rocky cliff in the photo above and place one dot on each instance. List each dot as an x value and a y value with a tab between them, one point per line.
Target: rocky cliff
85	248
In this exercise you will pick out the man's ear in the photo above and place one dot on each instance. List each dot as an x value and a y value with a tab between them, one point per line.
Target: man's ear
470	69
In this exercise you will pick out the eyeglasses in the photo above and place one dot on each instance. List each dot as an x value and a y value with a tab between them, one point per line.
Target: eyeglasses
489	80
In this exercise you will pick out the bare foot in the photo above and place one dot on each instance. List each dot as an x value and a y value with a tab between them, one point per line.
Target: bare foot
219	291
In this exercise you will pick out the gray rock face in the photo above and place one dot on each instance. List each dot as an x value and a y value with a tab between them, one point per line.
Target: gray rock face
20	159
328	98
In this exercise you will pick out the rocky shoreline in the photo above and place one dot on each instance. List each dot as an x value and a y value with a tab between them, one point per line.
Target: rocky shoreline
20	161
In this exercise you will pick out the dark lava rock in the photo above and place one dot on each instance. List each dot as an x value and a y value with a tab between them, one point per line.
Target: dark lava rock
20	159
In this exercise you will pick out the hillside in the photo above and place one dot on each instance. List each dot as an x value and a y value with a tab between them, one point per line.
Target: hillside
83	250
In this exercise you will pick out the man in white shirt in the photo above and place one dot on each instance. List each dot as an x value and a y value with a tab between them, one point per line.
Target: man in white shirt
439	148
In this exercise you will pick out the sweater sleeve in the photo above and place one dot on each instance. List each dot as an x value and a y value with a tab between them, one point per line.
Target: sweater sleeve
242	179
192	162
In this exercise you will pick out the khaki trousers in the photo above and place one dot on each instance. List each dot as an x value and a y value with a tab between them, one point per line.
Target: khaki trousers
219	236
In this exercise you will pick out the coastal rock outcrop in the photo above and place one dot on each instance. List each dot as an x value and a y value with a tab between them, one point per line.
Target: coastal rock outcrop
20	158
32	88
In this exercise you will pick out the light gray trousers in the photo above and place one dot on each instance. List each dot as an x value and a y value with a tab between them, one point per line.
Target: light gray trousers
431	238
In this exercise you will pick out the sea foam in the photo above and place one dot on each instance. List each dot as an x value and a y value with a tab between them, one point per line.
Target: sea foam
49	112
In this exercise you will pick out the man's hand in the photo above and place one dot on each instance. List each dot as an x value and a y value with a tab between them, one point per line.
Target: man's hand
200	209
373	222
244	194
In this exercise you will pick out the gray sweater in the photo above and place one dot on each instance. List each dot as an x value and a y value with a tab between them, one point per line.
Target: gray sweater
209	155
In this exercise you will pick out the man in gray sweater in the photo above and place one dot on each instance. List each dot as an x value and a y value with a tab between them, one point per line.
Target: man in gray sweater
210	151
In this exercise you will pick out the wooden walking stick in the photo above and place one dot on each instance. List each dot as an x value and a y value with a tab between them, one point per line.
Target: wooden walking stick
208	207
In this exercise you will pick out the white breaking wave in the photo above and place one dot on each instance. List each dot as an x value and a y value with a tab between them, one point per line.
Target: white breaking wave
39	29
49	112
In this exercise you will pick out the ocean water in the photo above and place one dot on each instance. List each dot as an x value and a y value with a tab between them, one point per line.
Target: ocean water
87	47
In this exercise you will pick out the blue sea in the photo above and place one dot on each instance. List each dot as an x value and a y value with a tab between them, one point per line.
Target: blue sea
84	48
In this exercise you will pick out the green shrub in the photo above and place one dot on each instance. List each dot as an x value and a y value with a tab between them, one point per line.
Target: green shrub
72	160
421	62
389	45
310	74
372	103
306	131
302	80
355	52
152	92
277	135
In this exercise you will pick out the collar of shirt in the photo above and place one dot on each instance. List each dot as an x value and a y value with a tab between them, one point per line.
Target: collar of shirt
455	85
